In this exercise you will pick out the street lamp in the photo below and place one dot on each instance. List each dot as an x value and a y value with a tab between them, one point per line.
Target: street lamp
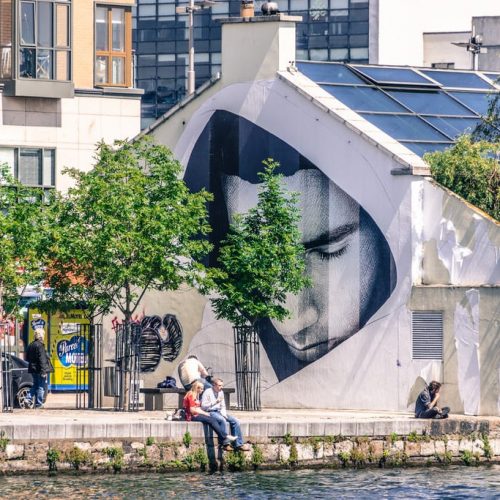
189	10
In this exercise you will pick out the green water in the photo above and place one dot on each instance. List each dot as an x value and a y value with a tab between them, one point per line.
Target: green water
432	482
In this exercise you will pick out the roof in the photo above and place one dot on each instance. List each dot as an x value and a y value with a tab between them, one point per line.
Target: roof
421	108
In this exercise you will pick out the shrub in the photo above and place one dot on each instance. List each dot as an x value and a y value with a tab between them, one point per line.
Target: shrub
187	439
77	457
53	456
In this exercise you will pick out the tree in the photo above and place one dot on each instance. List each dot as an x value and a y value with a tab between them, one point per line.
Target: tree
260	262
22	226
127	226
471	170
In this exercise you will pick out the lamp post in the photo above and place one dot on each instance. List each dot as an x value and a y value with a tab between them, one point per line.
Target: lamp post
190	10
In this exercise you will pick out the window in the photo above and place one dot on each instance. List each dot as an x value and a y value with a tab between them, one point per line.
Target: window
427	335
5	39
44	40
31	166
113	46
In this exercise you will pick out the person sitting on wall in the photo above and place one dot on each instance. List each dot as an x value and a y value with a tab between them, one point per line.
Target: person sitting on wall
426	404
39	366
195	413
213	402
190	370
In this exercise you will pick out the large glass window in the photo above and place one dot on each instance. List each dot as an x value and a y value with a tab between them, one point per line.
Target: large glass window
31	166
113	46
44	40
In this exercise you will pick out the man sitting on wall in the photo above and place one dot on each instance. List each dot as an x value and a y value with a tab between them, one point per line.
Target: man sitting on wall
426	404
191	370
213	402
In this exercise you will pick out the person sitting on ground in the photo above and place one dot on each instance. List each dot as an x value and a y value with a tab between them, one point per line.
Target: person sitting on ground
39	366
190	370
213	402
195	413
426	404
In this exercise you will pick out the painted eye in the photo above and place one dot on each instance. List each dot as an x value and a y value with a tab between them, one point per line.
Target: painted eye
330	251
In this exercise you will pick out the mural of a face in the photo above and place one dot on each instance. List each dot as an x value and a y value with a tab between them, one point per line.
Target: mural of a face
347	256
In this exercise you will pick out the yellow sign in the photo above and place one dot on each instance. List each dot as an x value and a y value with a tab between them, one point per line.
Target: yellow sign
67	344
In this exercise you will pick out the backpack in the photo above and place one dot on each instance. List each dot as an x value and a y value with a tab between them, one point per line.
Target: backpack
179	415
168	383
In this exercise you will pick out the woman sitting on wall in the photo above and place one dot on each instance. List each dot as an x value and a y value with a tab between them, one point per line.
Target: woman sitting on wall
192	407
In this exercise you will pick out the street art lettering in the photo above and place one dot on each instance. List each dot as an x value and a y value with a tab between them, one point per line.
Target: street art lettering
347	256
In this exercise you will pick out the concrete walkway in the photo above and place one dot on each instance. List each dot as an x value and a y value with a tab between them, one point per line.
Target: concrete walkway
47	424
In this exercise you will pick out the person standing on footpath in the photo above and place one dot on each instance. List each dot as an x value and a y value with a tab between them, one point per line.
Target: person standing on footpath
213	402
39	366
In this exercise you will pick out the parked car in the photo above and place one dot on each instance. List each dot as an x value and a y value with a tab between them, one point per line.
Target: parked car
21	382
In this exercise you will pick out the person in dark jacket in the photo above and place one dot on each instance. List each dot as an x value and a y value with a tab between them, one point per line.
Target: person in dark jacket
39	366
426	404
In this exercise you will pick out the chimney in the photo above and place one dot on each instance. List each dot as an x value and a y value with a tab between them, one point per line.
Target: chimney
246	8
255	48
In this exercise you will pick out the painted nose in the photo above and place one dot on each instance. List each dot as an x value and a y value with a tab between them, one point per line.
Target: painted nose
301	316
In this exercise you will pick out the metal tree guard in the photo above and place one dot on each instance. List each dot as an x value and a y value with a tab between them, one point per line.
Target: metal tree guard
6	367
127	367
89	368
247	364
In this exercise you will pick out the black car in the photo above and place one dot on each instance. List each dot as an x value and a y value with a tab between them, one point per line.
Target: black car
21	381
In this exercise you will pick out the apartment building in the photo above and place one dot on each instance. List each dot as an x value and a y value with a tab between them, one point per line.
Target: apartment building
65	84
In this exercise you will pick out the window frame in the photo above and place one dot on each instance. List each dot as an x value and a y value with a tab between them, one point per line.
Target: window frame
18	150
126	55
54	48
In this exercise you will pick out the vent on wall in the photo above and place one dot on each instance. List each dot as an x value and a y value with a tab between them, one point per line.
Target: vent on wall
427	334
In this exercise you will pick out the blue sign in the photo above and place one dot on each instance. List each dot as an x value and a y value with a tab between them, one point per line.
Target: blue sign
73	351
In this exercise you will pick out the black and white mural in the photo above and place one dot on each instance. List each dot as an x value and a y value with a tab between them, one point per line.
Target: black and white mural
347	256
344	328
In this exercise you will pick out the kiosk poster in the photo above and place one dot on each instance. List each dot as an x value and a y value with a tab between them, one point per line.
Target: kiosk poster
68	349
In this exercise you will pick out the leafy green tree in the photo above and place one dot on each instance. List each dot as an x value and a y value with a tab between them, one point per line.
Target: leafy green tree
471	170
262	258
127	226
22	226
260	262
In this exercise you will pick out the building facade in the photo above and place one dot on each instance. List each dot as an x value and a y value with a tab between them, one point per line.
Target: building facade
405	274
65	84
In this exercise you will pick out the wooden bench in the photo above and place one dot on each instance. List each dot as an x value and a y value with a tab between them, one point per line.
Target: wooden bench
153	398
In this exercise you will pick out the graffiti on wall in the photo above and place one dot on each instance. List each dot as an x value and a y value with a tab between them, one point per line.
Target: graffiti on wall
347	256
158	338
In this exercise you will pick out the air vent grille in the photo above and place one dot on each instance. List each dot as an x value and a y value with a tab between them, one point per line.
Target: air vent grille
427	334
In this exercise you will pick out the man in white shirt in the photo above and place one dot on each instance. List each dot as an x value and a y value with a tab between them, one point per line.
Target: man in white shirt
191	370
213	402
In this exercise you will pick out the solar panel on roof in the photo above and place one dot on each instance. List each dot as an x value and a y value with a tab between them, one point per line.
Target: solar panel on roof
453	127
405	127
435	103
328	73
363	98
458	79
477	101
393	75
420	148
493	76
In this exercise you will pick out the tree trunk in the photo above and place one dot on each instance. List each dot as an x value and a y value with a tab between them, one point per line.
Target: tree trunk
247	365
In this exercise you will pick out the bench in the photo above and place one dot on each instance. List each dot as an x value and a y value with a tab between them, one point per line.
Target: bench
153	398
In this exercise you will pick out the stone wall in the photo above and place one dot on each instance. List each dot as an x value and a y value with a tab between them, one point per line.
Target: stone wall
430	443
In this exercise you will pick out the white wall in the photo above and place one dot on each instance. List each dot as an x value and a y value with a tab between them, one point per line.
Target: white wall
401	24
439	48
83	121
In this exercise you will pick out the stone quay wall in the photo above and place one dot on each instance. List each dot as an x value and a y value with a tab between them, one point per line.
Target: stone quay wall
164	446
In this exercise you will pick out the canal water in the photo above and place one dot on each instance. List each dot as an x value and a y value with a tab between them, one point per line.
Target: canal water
430	482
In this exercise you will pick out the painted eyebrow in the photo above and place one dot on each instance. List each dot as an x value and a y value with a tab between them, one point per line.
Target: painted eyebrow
328	237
